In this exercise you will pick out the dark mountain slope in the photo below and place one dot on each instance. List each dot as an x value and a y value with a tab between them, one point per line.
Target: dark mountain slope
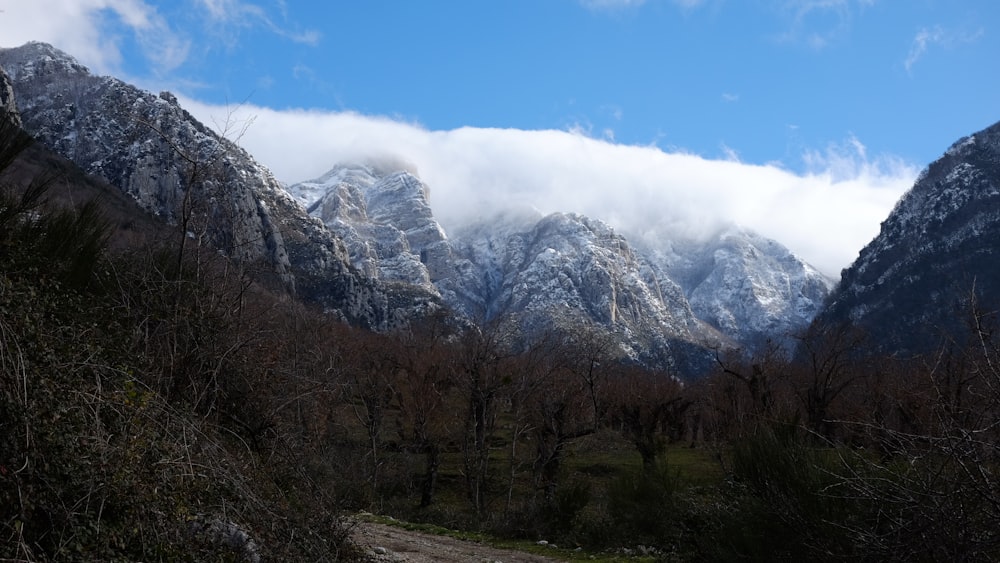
913	284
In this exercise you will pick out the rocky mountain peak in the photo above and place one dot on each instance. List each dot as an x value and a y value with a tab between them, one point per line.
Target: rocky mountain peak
37	60
382	213
735	289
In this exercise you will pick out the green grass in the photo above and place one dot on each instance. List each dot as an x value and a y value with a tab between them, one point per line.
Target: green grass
606	455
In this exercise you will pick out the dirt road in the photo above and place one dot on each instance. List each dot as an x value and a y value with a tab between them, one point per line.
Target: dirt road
391	544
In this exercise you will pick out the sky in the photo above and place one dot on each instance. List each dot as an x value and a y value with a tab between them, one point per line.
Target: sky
804	120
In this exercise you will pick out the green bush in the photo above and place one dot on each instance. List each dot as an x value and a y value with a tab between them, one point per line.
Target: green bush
560	515
645	506
783	501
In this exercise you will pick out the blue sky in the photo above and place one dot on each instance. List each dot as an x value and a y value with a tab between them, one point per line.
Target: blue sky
766	79
849	98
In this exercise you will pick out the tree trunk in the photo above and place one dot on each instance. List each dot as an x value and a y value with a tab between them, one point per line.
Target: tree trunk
432	454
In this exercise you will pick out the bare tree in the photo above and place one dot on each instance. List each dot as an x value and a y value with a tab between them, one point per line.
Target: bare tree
933	491
426	395
483	355
560	412
369	389
650	408
744	390
829	362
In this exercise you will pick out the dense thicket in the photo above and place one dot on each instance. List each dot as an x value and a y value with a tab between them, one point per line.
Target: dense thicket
156	404
132	426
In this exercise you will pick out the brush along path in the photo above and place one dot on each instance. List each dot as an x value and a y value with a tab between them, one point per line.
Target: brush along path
390	543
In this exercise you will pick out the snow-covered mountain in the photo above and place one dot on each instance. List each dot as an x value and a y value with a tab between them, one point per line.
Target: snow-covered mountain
571	269
749	287
363	240
735	289
912	286
192	177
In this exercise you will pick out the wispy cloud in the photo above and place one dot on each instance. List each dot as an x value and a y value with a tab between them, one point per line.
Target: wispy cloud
729	153
825	215
237	14
819	23
303	72
730	97
614	111
937	35
849	158
919	46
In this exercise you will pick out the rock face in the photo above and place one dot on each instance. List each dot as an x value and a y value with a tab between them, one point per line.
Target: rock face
7	104
911	286
382	213
194	178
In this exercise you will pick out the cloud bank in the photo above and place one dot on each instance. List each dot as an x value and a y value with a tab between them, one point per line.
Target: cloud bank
825	215
92	30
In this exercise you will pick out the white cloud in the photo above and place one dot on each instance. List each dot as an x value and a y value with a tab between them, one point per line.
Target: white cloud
730	97
87	29
826	215
937	35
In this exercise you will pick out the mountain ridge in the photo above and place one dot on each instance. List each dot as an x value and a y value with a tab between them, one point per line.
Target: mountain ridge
362	239
192	177
520	262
